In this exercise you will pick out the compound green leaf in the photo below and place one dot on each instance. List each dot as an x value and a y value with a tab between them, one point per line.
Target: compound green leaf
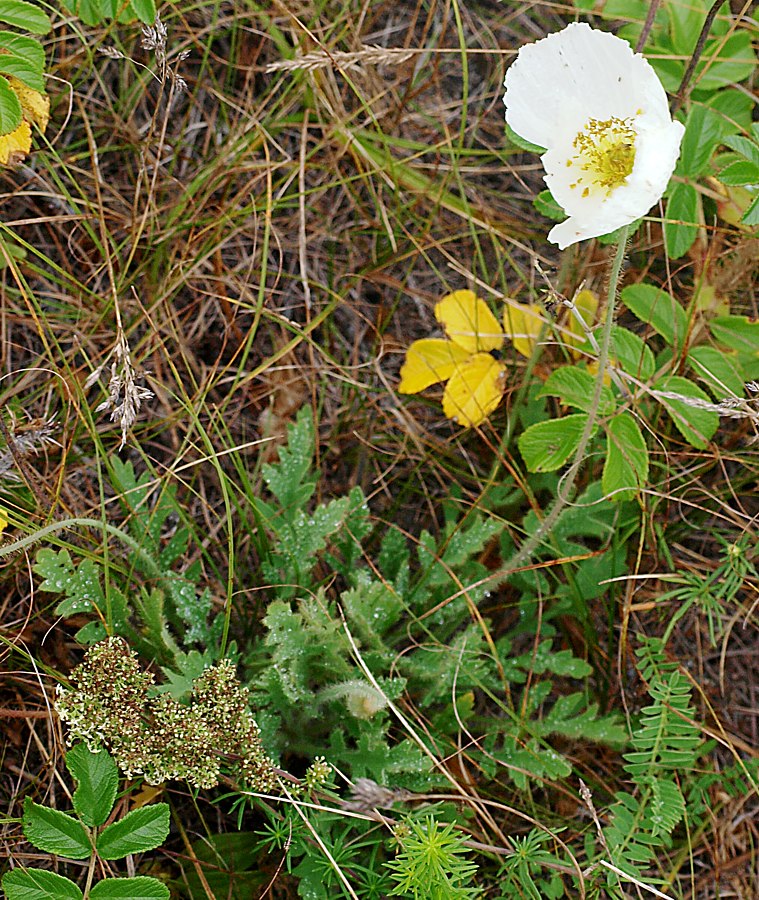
55	832
140	830
39	884
141	887
575	387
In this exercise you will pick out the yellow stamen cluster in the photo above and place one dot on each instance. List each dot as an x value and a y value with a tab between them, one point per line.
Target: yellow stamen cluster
606	150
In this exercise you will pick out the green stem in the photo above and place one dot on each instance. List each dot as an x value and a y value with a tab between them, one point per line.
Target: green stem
567	484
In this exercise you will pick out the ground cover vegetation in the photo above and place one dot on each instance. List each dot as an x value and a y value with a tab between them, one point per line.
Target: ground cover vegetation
357	540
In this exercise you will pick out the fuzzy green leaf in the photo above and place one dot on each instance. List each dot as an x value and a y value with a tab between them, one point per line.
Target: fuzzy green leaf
696	425
25	16
546	446
626	466
745	146
659	310
737	332
140	830
141	887
39	884
55	832
98	779
740	172
289	479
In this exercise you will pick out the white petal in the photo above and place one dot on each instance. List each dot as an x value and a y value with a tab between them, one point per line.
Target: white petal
556	84
657	147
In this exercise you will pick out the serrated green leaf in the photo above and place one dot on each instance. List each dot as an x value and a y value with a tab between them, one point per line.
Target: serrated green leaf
685	21
520	142
743	145
546	446
21	69
98	779
142	887
575	387
632	354
548	207
25	47
140	830
737	332
703	130
144	10
38	884
718	370
659	310
290	478
751	216
626	465
681	219
696	425
734	109
725	62
25	16
55	832
739	173
10	108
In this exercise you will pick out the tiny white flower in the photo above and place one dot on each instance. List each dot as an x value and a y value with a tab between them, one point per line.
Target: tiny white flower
601	113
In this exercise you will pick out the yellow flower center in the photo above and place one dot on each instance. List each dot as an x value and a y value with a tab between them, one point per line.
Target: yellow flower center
606	151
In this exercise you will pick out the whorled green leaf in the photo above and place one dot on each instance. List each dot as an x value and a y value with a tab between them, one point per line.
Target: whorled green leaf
38	884
54	831
98	780
575	387
142	887
681	219
140	830
696	425
546	446
26	16
626	467
658	309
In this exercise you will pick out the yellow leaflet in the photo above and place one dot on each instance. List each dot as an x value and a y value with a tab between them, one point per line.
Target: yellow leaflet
587	306
3	521
468	322
429	361
15	146
35	107
474	390
522	325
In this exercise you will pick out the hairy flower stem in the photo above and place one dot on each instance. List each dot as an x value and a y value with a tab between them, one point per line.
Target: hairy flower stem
567	485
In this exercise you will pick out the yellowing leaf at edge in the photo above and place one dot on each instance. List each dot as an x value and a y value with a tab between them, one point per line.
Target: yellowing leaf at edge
586	303
474	390
469	322
35	107
429	361
522	325
15	146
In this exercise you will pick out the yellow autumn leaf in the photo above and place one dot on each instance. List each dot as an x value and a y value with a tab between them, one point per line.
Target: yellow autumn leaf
474	390
522	325
468	322
15	146
586	303
35	107
429	361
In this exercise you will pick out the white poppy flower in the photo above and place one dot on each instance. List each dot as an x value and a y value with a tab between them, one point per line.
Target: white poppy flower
601	113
